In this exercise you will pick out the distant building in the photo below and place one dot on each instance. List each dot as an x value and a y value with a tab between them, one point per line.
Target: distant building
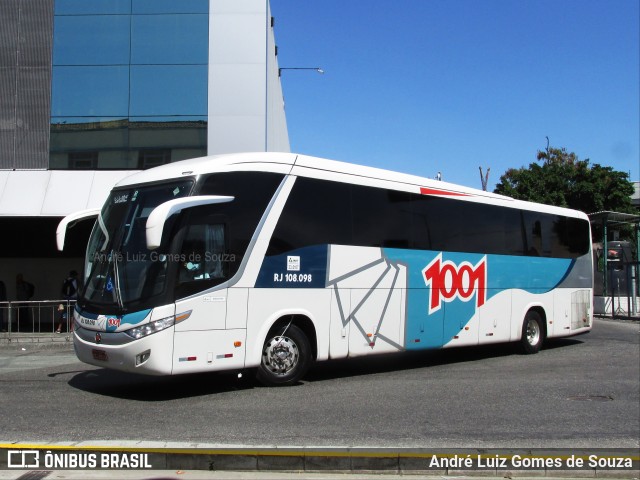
91	91
635	198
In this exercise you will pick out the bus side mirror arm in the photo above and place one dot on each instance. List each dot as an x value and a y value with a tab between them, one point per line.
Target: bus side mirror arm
160	214
69	221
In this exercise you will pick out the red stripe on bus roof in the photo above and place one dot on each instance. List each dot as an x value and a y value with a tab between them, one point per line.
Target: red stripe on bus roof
435	191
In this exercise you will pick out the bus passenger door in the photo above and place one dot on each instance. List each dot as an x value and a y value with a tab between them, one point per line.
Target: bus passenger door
214	335
200	343
207	312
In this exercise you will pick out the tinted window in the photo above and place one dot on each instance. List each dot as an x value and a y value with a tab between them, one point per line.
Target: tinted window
555	236
168	90
316	213
90	92
85	7
129	76
459	226
170	6
381	218
169	39
105	40
204	260
574	234
320	212
252	192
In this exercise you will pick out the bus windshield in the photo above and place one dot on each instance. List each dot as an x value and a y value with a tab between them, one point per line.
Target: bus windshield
119	269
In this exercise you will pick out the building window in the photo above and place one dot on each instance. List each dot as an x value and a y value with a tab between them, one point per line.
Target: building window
83	160
130	77
153	158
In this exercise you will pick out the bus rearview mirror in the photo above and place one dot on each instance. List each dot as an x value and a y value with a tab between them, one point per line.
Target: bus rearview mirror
160	214
69	221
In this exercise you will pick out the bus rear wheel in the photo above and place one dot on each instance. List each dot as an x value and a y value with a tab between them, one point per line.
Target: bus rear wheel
532	333
286	357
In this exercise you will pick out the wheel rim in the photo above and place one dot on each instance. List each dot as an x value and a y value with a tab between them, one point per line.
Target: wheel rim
533	332
280	355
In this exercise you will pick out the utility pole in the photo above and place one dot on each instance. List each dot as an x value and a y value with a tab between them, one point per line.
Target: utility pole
484	179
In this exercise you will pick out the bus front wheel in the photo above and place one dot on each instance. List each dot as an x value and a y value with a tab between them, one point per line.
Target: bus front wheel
532	333
286	357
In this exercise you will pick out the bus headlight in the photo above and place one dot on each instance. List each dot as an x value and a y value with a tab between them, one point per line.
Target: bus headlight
152	327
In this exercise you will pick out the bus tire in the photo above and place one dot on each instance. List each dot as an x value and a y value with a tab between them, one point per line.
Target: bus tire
286	357
532	333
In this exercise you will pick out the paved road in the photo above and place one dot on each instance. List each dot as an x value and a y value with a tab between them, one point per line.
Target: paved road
578	392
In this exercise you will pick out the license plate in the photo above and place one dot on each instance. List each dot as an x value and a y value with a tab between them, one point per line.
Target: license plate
100	355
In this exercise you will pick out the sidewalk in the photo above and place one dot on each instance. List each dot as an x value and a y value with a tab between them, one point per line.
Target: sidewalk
144	462
37	340
623	317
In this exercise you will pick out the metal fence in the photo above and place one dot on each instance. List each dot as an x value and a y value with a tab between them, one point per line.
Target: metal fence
43	316
621	299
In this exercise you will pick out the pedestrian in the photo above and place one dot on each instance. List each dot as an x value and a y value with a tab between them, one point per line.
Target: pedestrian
70	291
70	286
3	298
24	292
62	317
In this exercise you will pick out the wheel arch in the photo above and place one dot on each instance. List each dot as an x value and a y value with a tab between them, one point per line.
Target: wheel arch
519	315
302	319
534	331
539	309
304	323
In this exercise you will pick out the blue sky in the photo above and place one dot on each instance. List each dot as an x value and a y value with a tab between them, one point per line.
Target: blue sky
422	86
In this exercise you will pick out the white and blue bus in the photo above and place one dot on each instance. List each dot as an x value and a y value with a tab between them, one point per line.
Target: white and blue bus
271	261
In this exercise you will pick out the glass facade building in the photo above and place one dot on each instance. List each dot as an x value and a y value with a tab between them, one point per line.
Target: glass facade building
129	83
92	90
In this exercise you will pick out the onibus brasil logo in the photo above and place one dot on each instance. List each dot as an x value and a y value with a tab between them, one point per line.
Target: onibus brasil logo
448	282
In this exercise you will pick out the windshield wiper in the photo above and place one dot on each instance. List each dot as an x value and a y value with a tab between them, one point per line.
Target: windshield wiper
116	273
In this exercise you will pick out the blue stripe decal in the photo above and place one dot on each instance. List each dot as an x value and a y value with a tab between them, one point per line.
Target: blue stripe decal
444	290
427	325
112	323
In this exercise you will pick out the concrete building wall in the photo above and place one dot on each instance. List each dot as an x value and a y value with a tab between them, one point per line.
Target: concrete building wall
245	113
245	104
26	33
277	133
246	110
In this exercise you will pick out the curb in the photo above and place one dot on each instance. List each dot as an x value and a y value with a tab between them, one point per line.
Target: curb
43	341
501	463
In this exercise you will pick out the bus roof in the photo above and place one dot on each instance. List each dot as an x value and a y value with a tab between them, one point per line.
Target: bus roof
303	165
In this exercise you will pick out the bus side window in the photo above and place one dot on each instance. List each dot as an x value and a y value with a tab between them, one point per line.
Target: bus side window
252	192
381	218
316	213
202	262
535	245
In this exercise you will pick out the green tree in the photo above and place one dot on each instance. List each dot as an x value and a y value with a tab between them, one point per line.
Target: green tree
560	178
